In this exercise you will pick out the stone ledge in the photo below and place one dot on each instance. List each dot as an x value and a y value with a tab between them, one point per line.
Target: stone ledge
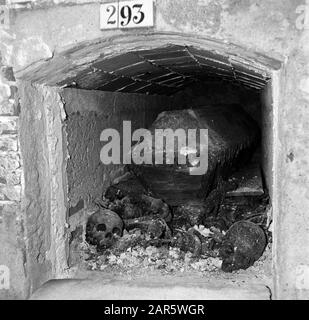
100	287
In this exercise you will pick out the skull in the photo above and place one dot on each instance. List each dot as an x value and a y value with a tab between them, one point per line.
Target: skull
187	241
242	245
102	227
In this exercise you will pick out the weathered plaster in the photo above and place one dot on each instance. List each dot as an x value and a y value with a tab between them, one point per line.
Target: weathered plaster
293	172
43	201
55	115
239	22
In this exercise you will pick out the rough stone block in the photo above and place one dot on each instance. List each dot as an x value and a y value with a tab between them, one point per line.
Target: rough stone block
12	178
9	161
10	193
29	50
8	210
12	250
9	107
8	142
7	73
5	90
8	125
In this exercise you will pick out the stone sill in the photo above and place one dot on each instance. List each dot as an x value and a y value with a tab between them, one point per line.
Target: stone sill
101	286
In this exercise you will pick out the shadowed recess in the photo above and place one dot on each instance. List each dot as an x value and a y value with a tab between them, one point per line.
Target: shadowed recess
163	70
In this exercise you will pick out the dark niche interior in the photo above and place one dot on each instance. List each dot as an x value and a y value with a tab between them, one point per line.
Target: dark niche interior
130	218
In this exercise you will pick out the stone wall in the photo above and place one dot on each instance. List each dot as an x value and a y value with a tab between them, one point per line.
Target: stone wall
37	31
11	220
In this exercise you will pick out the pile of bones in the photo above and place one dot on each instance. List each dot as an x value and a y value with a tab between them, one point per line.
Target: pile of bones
133	229
196	222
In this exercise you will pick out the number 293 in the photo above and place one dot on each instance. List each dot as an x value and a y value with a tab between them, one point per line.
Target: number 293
126	14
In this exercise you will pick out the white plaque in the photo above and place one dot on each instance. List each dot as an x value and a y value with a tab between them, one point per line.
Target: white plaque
126	14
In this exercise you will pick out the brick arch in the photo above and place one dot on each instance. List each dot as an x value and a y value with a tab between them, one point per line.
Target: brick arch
92	64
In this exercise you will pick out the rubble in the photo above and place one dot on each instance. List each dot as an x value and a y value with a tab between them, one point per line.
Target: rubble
155	227
140	257
189	214
187	237
129	199
188	241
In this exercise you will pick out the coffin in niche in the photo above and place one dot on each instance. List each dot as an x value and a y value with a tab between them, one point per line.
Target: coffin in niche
232	135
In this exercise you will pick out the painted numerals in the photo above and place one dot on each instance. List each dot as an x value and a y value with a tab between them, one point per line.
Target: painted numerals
126	14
